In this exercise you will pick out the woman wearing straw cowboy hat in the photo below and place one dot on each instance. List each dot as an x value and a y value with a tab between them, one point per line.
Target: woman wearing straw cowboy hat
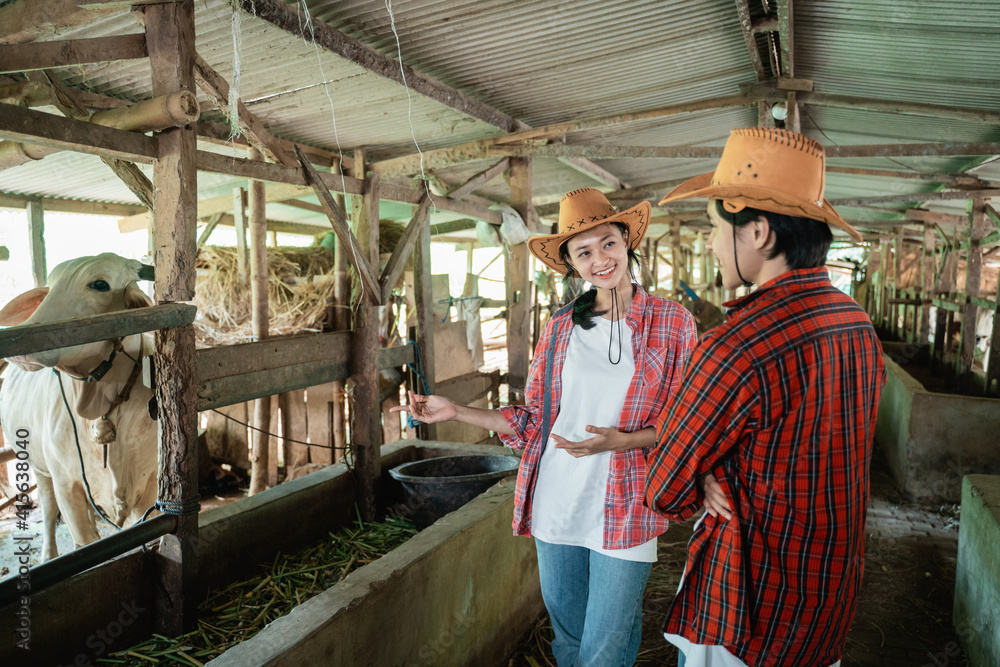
773	423
602	371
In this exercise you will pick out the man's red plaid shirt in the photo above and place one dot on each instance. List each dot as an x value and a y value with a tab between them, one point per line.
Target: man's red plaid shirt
663	335
780	403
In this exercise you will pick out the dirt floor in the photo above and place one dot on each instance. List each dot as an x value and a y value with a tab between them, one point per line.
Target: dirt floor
904	611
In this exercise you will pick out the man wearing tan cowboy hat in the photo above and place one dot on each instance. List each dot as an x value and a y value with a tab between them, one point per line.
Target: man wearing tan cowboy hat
773	424
600	376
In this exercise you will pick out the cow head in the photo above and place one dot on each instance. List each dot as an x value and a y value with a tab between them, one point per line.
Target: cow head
79	287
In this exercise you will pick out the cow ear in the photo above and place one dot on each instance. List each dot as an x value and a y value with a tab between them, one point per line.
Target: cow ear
21	307
136	298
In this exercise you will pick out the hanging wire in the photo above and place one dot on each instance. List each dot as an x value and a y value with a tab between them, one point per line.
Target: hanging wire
409	102
336	137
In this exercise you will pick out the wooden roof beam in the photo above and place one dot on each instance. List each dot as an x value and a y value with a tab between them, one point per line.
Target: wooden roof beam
46	55
750	38
479	150
773	92
290	184
916	197
44	129
967	181
922	215
358	258
786	41
707	152
480	179
27	129
216	87
62	205
27	20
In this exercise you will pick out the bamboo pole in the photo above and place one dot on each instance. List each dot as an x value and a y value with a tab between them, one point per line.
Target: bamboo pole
240	224
36	239
258	291
424	305
176	109
341	322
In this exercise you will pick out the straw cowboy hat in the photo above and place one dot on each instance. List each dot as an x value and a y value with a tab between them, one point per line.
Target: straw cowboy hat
579	211
771	170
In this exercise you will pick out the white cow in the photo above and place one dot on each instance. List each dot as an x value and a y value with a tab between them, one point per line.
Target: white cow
30	399
984	334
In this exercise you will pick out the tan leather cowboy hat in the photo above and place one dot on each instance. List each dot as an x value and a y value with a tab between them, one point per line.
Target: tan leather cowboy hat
771	170
581	210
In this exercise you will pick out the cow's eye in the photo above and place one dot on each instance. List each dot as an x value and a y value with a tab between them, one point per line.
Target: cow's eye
100	285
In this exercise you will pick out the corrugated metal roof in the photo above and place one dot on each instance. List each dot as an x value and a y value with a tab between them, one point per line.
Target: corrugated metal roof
538	60
939	53
542	62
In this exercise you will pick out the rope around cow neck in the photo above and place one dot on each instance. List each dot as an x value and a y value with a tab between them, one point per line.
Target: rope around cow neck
79	452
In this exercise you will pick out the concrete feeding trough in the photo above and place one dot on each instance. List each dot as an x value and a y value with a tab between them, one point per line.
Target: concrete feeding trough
462	591
931	440
977	574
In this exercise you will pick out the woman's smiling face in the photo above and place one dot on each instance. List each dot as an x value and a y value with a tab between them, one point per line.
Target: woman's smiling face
600	256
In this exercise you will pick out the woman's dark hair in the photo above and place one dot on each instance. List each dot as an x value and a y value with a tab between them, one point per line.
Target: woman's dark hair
584	310
803	241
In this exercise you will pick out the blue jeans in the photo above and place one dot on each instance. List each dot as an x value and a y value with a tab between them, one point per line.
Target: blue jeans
595	605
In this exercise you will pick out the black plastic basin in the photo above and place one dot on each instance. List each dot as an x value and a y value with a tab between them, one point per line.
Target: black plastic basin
434	487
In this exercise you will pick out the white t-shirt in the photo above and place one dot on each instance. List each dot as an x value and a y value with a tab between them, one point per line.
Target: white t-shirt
569	498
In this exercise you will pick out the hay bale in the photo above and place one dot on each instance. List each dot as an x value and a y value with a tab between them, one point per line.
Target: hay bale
300	286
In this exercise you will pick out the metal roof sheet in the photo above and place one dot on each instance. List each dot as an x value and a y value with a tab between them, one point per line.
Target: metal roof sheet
543	61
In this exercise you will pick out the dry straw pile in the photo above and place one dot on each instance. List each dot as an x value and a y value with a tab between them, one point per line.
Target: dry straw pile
299	291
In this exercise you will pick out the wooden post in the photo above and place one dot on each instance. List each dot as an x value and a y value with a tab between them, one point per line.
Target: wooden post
519	286
341	322
973	278
319	417
423	300
654	266
675	258
240	223
36	239
259	319
365	410
292	405
793	120
871	275
897	287
927	282
883	286
170	41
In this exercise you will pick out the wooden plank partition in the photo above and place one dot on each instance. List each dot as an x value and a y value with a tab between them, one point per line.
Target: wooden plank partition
25	339
239	373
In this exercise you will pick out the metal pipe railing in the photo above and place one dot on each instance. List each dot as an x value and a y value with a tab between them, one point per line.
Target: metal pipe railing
58	569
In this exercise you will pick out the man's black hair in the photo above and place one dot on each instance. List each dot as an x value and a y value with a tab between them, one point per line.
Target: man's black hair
584	308
803	241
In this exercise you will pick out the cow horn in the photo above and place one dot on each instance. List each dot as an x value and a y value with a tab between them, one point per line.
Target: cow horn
146	272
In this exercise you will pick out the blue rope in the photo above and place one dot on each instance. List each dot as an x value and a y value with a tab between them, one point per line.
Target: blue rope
417	367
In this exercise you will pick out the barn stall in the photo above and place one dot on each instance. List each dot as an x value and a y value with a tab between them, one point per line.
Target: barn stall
435	133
